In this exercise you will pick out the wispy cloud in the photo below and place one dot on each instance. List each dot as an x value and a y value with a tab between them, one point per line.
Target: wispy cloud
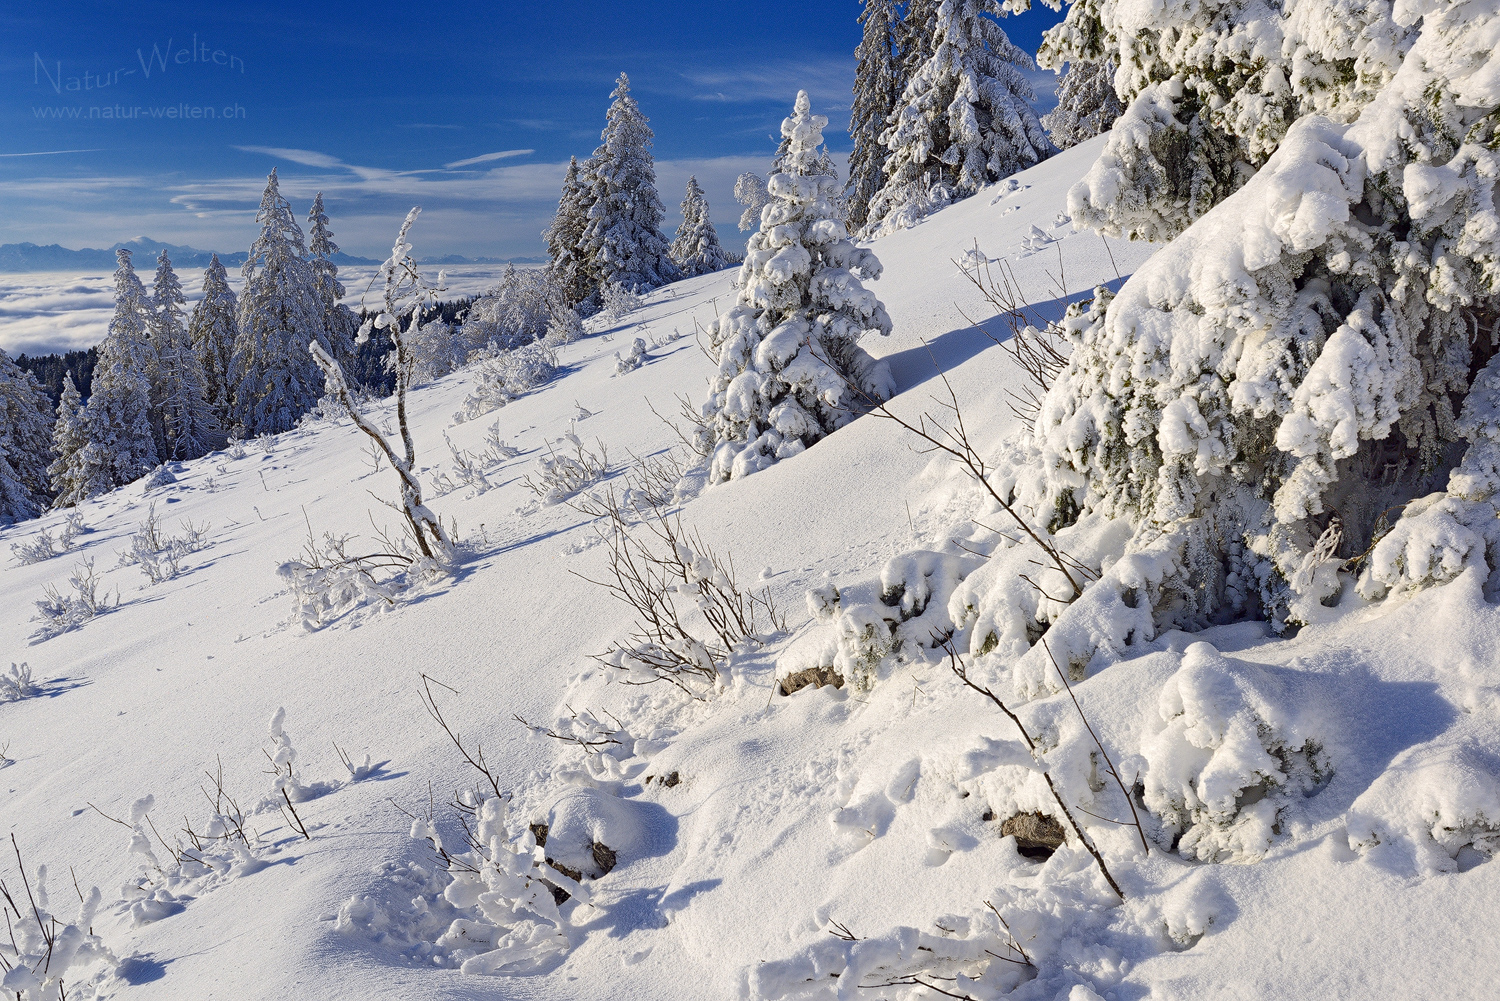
828	82
306	157
54	152
487	157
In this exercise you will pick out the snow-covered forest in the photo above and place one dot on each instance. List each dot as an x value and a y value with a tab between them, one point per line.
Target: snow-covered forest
1057	560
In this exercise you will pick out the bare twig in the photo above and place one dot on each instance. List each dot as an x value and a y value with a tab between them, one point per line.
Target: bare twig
962	673
1109	764
474	758
1006	925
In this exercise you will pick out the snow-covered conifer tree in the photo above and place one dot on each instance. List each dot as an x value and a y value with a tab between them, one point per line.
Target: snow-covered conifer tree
696	248
1086	104
273	377
69	437
567	266
117	420
213	330
963	121
878	84
178	384
25	443
1315	352
1209	92
339	321
623	242
790	367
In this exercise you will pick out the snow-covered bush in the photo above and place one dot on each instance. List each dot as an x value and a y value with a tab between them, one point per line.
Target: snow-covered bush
326	580
565	472
632	360
1433	801
500	376
17	685
1231	757
44	545
691	612
489	908
565	327
59	613
616	301
43	957
790	368
468	468
517	311
435	351
286	788
906	615
159	556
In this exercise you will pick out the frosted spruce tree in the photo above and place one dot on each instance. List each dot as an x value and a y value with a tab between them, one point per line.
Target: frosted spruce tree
696	248
964	119
623	242
339	321
25	443
567	267
188	427
213	331
878	83
117	420
1210	91
69	437
1086	104
1304	387
273	378
790	366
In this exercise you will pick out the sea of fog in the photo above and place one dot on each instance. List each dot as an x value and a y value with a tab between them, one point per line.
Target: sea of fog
46	312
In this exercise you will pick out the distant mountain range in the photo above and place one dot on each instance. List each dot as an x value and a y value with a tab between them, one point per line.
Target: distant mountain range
24	257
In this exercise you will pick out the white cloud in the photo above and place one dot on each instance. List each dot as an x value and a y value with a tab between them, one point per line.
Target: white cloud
503	155
54	152
307	157
828	83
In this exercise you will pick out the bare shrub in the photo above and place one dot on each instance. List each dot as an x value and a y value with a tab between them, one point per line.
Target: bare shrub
691	614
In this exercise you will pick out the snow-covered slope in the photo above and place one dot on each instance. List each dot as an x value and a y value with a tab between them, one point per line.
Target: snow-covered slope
862	807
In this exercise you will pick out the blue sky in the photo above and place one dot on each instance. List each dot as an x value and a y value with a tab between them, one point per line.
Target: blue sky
148	119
